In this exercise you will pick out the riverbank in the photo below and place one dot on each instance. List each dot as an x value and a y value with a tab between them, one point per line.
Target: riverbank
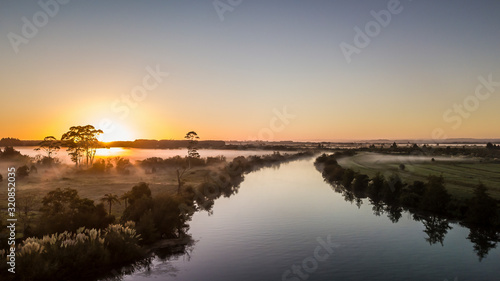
461	173
429	197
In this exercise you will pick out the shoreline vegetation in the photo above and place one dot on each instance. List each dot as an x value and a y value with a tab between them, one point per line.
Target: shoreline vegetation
429	201
67	236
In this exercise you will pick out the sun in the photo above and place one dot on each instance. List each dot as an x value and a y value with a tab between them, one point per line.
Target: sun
116	132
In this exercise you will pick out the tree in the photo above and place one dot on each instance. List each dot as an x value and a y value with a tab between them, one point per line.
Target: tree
125	197
64	210
482	208
50	145
82	142
192	137
23	171
110	199
435	198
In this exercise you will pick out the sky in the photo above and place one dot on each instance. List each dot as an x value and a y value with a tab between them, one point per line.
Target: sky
241	69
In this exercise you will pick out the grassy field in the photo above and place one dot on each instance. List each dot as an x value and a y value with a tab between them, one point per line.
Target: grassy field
461	174
95	185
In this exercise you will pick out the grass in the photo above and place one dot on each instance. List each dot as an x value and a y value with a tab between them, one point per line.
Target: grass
95	185
461	175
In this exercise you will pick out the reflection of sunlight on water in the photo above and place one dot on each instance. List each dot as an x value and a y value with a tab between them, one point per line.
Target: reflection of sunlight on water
111	152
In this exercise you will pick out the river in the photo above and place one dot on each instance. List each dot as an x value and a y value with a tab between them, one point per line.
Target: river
288	224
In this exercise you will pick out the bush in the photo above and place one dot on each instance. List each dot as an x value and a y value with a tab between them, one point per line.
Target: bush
23	171
80	254
64	210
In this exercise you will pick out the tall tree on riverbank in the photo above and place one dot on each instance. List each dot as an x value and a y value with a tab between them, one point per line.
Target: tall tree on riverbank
81	142
192	137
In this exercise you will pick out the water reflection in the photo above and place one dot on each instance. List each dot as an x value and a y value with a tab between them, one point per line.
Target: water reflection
436	228
484	240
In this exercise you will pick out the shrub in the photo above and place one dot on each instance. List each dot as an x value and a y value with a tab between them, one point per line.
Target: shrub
82	253
23	171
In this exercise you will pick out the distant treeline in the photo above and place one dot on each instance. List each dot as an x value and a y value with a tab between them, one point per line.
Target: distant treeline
489	150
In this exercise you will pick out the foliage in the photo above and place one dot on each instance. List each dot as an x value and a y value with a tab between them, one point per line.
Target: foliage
23	171
110	199
435	198
482	208
9	153
50	145
101	166
192	137
81	142
122	165
79	254
63	209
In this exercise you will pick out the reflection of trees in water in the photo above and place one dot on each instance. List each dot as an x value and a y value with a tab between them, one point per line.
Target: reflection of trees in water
394	213
377	207
159	264
436	228
484	240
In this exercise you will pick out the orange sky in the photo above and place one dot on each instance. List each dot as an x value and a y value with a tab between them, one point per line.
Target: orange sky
180	68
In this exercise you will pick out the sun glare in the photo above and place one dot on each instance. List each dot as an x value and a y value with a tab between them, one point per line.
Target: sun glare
118	132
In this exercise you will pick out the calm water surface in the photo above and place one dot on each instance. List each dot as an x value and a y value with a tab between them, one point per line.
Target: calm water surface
276	219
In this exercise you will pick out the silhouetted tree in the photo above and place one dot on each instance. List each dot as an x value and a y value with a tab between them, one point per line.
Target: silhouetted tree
482	208
110	199
23	171
82	142
50	145
125	197
192	137
64	210
435	198
139	191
